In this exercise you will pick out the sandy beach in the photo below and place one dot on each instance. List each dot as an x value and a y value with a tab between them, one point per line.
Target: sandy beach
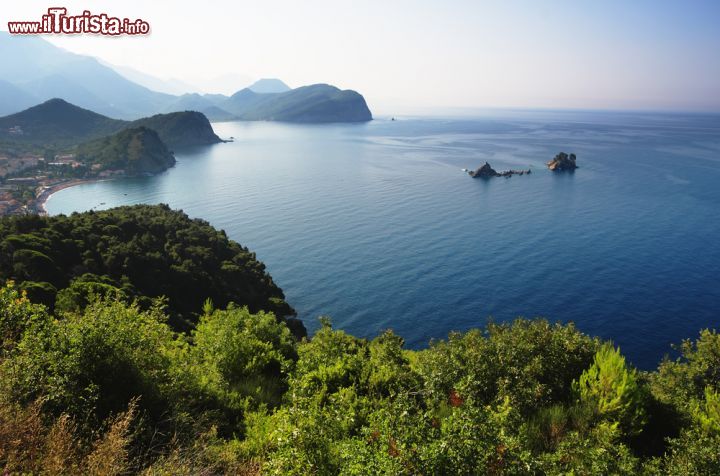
40	200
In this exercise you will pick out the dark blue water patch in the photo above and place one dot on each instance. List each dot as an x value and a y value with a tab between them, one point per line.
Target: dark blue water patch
376	226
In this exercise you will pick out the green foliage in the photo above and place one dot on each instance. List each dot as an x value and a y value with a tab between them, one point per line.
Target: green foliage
108	387
694	452
146	251
240	354
17	315
41	293
682	382
595	453
612	389
533	363
88	287
550	426
707	413
94	364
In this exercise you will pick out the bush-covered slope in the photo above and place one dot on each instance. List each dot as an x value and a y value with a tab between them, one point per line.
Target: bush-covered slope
103	383
112	390
144	251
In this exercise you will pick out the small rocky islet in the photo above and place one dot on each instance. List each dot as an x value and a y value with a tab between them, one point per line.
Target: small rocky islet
561	162
486	171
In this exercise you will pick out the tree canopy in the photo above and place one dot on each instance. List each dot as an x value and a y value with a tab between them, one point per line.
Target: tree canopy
142	252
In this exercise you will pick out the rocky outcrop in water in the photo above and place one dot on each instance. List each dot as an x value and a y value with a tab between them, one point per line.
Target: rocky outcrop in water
562	162
486	171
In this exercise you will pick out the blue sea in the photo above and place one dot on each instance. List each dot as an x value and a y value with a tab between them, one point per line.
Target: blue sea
376	225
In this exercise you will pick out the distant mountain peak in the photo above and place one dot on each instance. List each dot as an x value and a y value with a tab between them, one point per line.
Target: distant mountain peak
57	102
268	86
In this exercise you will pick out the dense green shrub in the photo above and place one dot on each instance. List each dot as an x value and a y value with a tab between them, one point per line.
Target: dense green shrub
244	355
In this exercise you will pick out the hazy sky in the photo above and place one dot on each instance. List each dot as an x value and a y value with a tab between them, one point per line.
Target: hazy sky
403	54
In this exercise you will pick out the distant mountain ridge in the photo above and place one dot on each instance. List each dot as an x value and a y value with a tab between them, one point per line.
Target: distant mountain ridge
317	103
34	70
269	86
45	71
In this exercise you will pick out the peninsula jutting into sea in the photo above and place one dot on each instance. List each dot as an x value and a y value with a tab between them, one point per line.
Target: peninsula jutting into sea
216	260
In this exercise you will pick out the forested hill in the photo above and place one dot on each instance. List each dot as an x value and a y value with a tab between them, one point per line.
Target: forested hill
141	251
57	123
317	103
180	129
136	151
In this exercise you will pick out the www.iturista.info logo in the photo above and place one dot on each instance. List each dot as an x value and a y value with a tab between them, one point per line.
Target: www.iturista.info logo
57	21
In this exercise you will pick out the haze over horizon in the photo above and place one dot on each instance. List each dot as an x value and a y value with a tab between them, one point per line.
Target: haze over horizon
409	55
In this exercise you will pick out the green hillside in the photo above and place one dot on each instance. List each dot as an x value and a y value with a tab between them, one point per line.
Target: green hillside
137	151
318	103
57	123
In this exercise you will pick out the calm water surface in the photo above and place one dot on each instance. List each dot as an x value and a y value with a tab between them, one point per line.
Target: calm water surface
376	226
